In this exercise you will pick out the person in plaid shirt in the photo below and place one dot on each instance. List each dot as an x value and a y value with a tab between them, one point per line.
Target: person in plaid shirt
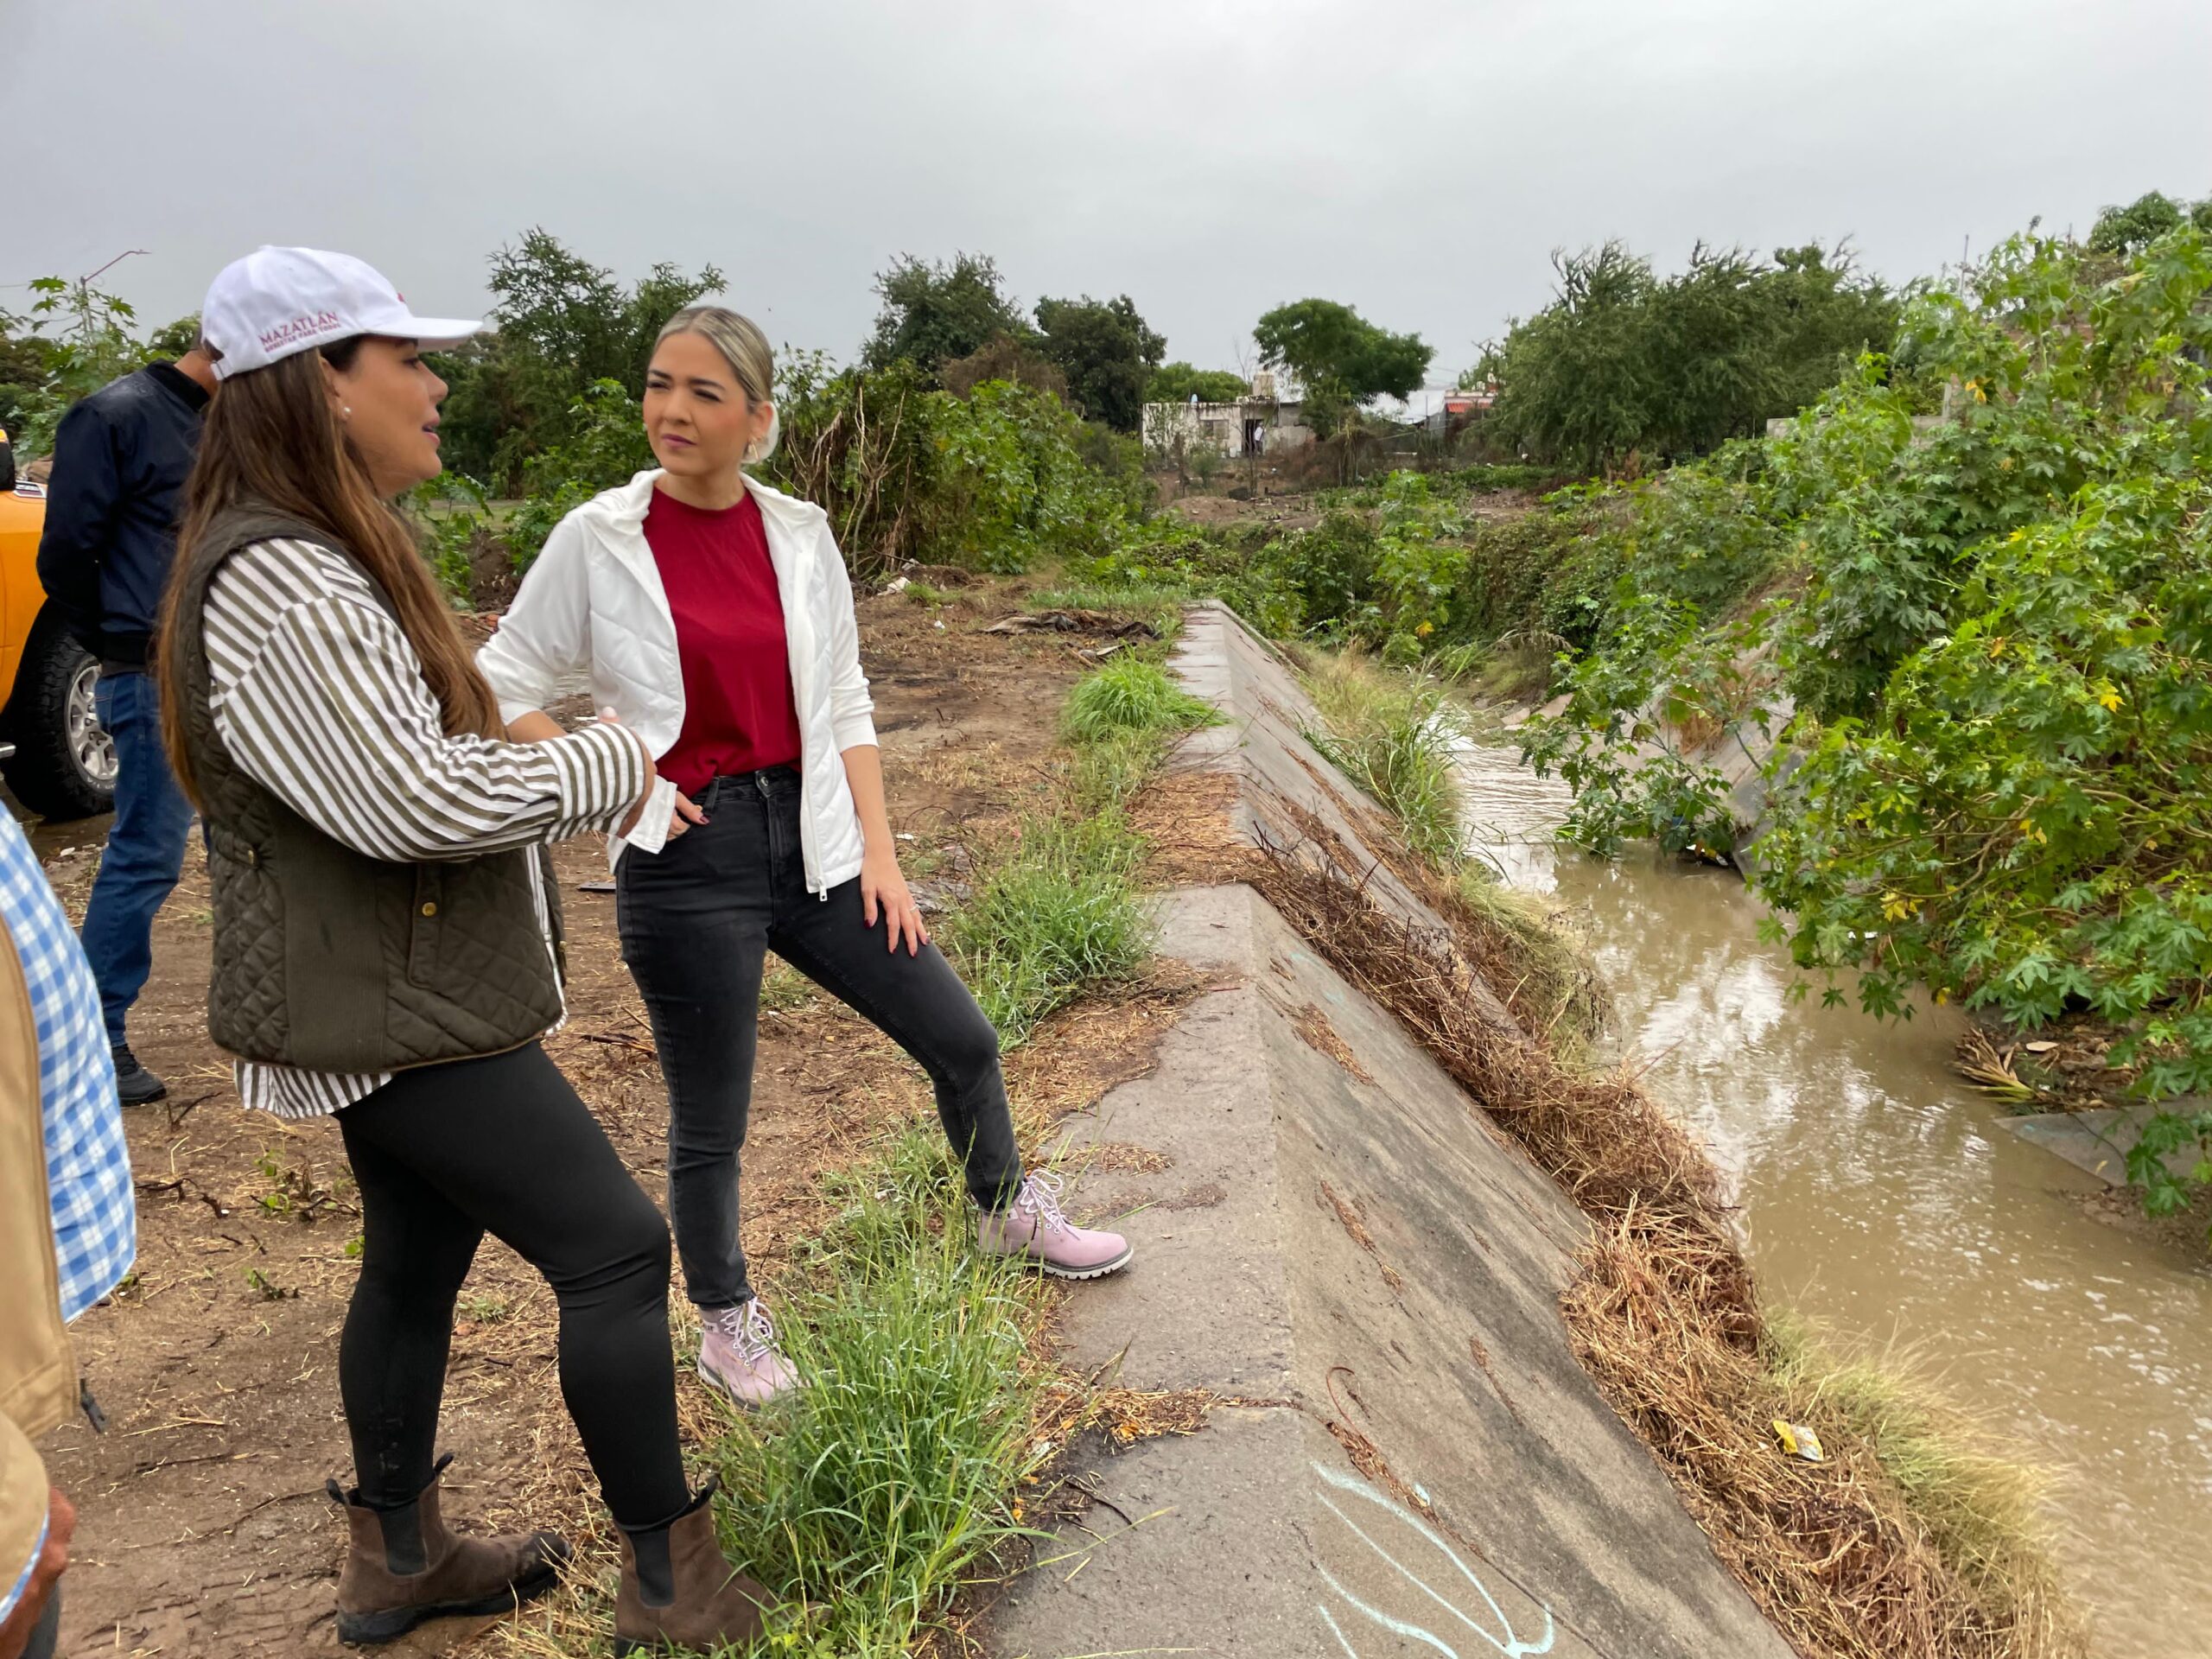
69	1227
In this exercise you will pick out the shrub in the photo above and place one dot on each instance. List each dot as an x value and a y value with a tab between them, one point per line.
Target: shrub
1985	650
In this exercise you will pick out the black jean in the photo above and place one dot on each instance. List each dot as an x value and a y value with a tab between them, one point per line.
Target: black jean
446	1153
47	1633
696	919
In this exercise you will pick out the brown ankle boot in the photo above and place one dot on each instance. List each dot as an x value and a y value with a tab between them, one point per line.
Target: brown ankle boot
406	1566
678	1588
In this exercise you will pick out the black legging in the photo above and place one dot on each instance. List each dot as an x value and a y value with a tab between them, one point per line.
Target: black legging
446	1153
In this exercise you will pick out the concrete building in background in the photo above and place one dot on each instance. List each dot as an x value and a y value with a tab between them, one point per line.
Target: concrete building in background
1265	421
1269	418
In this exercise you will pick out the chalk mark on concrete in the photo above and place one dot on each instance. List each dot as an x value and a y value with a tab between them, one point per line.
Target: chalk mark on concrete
1509	1644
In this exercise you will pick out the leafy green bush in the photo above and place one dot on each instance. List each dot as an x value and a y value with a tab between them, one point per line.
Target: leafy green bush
454	518
1984	647
992	480
1546	572
1008	486
606	448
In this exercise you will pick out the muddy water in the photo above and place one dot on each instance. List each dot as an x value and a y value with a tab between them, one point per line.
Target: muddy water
1881	1196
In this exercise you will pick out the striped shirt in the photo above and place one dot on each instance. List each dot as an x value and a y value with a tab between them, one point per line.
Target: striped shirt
319	697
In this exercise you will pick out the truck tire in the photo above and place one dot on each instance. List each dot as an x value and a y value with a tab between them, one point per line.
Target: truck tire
64	763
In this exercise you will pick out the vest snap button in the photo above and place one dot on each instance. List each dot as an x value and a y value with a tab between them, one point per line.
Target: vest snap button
429	910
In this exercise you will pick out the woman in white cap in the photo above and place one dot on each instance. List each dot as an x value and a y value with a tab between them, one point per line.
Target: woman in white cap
714	614
387	943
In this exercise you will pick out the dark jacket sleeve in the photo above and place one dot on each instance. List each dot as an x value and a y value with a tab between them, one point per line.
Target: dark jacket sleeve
82	500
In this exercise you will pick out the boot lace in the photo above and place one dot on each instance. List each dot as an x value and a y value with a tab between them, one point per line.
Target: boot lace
1040	1197
753	1332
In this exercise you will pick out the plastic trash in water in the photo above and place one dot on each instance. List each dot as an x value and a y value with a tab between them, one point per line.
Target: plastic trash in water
1799	1441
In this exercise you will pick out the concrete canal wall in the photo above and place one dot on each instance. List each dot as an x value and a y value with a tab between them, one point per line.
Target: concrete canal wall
1407	1458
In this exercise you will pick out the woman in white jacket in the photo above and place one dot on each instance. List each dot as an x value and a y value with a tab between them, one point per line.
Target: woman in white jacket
714	616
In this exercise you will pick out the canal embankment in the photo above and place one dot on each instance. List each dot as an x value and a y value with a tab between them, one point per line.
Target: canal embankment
1429	1281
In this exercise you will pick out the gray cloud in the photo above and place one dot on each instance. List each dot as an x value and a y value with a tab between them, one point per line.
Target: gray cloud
1209	158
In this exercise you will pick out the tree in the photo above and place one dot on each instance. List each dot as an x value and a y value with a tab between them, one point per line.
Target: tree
1574	380
174	339
1108	353
559	325
1018	363
2129	230
1624	363
1340	360
91	344
934	313
1178	383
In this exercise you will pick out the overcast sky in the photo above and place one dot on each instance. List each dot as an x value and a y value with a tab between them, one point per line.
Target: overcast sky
1210	158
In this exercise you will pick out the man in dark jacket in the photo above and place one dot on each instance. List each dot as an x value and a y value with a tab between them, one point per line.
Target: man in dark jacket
120	458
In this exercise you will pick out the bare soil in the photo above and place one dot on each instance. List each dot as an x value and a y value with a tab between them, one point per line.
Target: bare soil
205	1529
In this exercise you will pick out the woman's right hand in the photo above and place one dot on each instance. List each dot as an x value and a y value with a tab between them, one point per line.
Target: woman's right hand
652	777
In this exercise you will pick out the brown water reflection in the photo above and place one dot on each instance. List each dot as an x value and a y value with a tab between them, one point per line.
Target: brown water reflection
1880	1196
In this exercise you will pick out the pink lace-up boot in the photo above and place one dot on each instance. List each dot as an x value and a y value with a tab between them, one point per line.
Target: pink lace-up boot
1034	1228
738	1356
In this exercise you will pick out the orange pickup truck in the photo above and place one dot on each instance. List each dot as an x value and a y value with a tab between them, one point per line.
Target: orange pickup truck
57	760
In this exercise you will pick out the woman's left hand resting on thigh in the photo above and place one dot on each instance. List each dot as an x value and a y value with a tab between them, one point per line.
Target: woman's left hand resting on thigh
884	893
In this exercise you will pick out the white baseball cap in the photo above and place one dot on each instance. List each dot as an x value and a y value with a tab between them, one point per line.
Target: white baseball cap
276	301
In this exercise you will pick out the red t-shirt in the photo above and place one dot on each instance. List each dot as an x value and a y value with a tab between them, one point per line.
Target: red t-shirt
738	712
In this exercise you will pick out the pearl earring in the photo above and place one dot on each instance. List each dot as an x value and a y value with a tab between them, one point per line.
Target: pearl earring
345	411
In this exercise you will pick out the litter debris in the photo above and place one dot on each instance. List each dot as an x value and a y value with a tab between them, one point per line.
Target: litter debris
896	585
1799	1441
1074	622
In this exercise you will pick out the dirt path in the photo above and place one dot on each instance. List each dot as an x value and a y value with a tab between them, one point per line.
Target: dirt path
205	1529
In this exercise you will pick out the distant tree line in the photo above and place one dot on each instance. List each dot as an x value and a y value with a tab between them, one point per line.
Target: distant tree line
1626	364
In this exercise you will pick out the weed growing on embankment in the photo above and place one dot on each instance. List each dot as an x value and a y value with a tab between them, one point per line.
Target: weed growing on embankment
1060	909
887	1485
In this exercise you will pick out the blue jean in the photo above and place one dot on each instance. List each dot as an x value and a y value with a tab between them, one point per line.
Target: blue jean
145	848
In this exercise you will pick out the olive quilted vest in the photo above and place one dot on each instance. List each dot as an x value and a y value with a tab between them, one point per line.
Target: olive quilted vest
327	958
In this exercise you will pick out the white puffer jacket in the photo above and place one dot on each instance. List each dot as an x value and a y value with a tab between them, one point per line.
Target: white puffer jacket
592	614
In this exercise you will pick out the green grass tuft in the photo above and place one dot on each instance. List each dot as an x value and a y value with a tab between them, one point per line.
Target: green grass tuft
1982	1511
1158	604
1392	735
1554	988
1107	773
1131	695
871	1497
1058	911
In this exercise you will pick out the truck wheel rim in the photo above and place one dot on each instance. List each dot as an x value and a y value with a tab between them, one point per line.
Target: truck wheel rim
90	746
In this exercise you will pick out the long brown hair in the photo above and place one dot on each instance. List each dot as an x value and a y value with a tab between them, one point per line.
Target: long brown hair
272	441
